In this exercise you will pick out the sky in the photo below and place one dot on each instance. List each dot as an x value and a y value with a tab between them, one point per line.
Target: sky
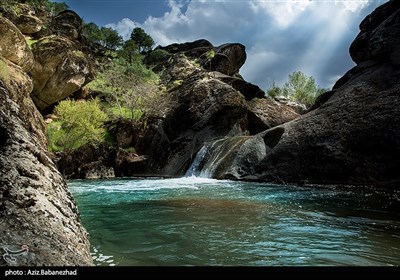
281	36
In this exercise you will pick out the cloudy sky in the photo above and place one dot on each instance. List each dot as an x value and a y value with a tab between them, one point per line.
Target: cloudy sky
281	36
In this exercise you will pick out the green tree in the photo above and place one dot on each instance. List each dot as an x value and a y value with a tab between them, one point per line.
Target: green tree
79	123
105	36
143	40
110	38
129	51
301	88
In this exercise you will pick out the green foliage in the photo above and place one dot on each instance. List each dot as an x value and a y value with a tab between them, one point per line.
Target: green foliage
130	88
80	123
274	91
105	36
143	40
156	56
299	87
30	42
129	51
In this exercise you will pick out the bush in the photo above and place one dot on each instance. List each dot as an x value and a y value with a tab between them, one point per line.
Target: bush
79	123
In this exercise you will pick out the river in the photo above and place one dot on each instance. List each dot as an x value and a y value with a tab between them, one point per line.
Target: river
200	221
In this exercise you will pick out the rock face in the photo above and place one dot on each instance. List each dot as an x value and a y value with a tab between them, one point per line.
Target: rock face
202	105
353	136
13	45
60	69
36	208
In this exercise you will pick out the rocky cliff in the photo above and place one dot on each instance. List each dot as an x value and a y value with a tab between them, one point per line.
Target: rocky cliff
38	214
352	136
207	100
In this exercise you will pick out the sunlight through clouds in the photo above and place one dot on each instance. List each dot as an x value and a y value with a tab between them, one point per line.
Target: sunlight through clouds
280	36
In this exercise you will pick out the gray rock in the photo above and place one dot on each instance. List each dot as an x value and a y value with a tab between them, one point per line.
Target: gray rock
37	211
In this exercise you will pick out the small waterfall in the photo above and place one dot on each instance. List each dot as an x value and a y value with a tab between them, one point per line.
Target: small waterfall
215	158
198	162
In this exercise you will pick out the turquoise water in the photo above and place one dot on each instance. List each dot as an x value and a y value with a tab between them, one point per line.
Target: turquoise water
197	221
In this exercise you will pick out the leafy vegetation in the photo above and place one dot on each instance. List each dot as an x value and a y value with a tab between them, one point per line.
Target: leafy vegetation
79	123
9	6
143	41
105	36
299	87
127	87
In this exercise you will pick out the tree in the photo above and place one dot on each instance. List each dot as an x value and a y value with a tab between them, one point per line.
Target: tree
301	88
143	40
105	36
110	38
79	123
129	51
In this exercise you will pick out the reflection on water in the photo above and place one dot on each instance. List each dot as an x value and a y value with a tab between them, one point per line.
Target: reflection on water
198	221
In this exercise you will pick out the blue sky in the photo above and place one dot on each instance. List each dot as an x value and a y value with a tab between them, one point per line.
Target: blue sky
281	36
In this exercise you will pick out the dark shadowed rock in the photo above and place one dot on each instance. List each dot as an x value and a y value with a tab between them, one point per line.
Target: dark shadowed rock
68	24
352	137
177	48
248	90
379	35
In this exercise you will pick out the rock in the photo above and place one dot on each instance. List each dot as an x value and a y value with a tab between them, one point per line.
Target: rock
201	107
266	113
323	98
248	90
127	163
60	69
28	24
68	24
13	46
177	48
296	106
236	57
379	35
96	170
36	209
123	131
353	137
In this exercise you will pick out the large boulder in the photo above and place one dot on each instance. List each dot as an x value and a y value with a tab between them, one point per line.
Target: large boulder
353	134
60	69
13	46
67	24
26	20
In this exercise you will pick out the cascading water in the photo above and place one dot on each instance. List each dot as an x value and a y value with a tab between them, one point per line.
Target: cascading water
215	158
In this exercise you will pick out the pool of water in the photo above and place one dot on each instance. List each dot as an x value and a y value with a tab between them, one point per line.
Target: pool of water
198	221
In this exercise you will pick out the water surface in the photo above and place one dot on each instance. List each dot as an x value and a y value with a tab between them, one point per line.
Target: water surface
198	221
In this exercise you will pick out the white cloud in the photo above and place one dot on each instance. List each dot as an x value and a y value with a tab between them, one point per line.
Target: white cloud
124	27
280	36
